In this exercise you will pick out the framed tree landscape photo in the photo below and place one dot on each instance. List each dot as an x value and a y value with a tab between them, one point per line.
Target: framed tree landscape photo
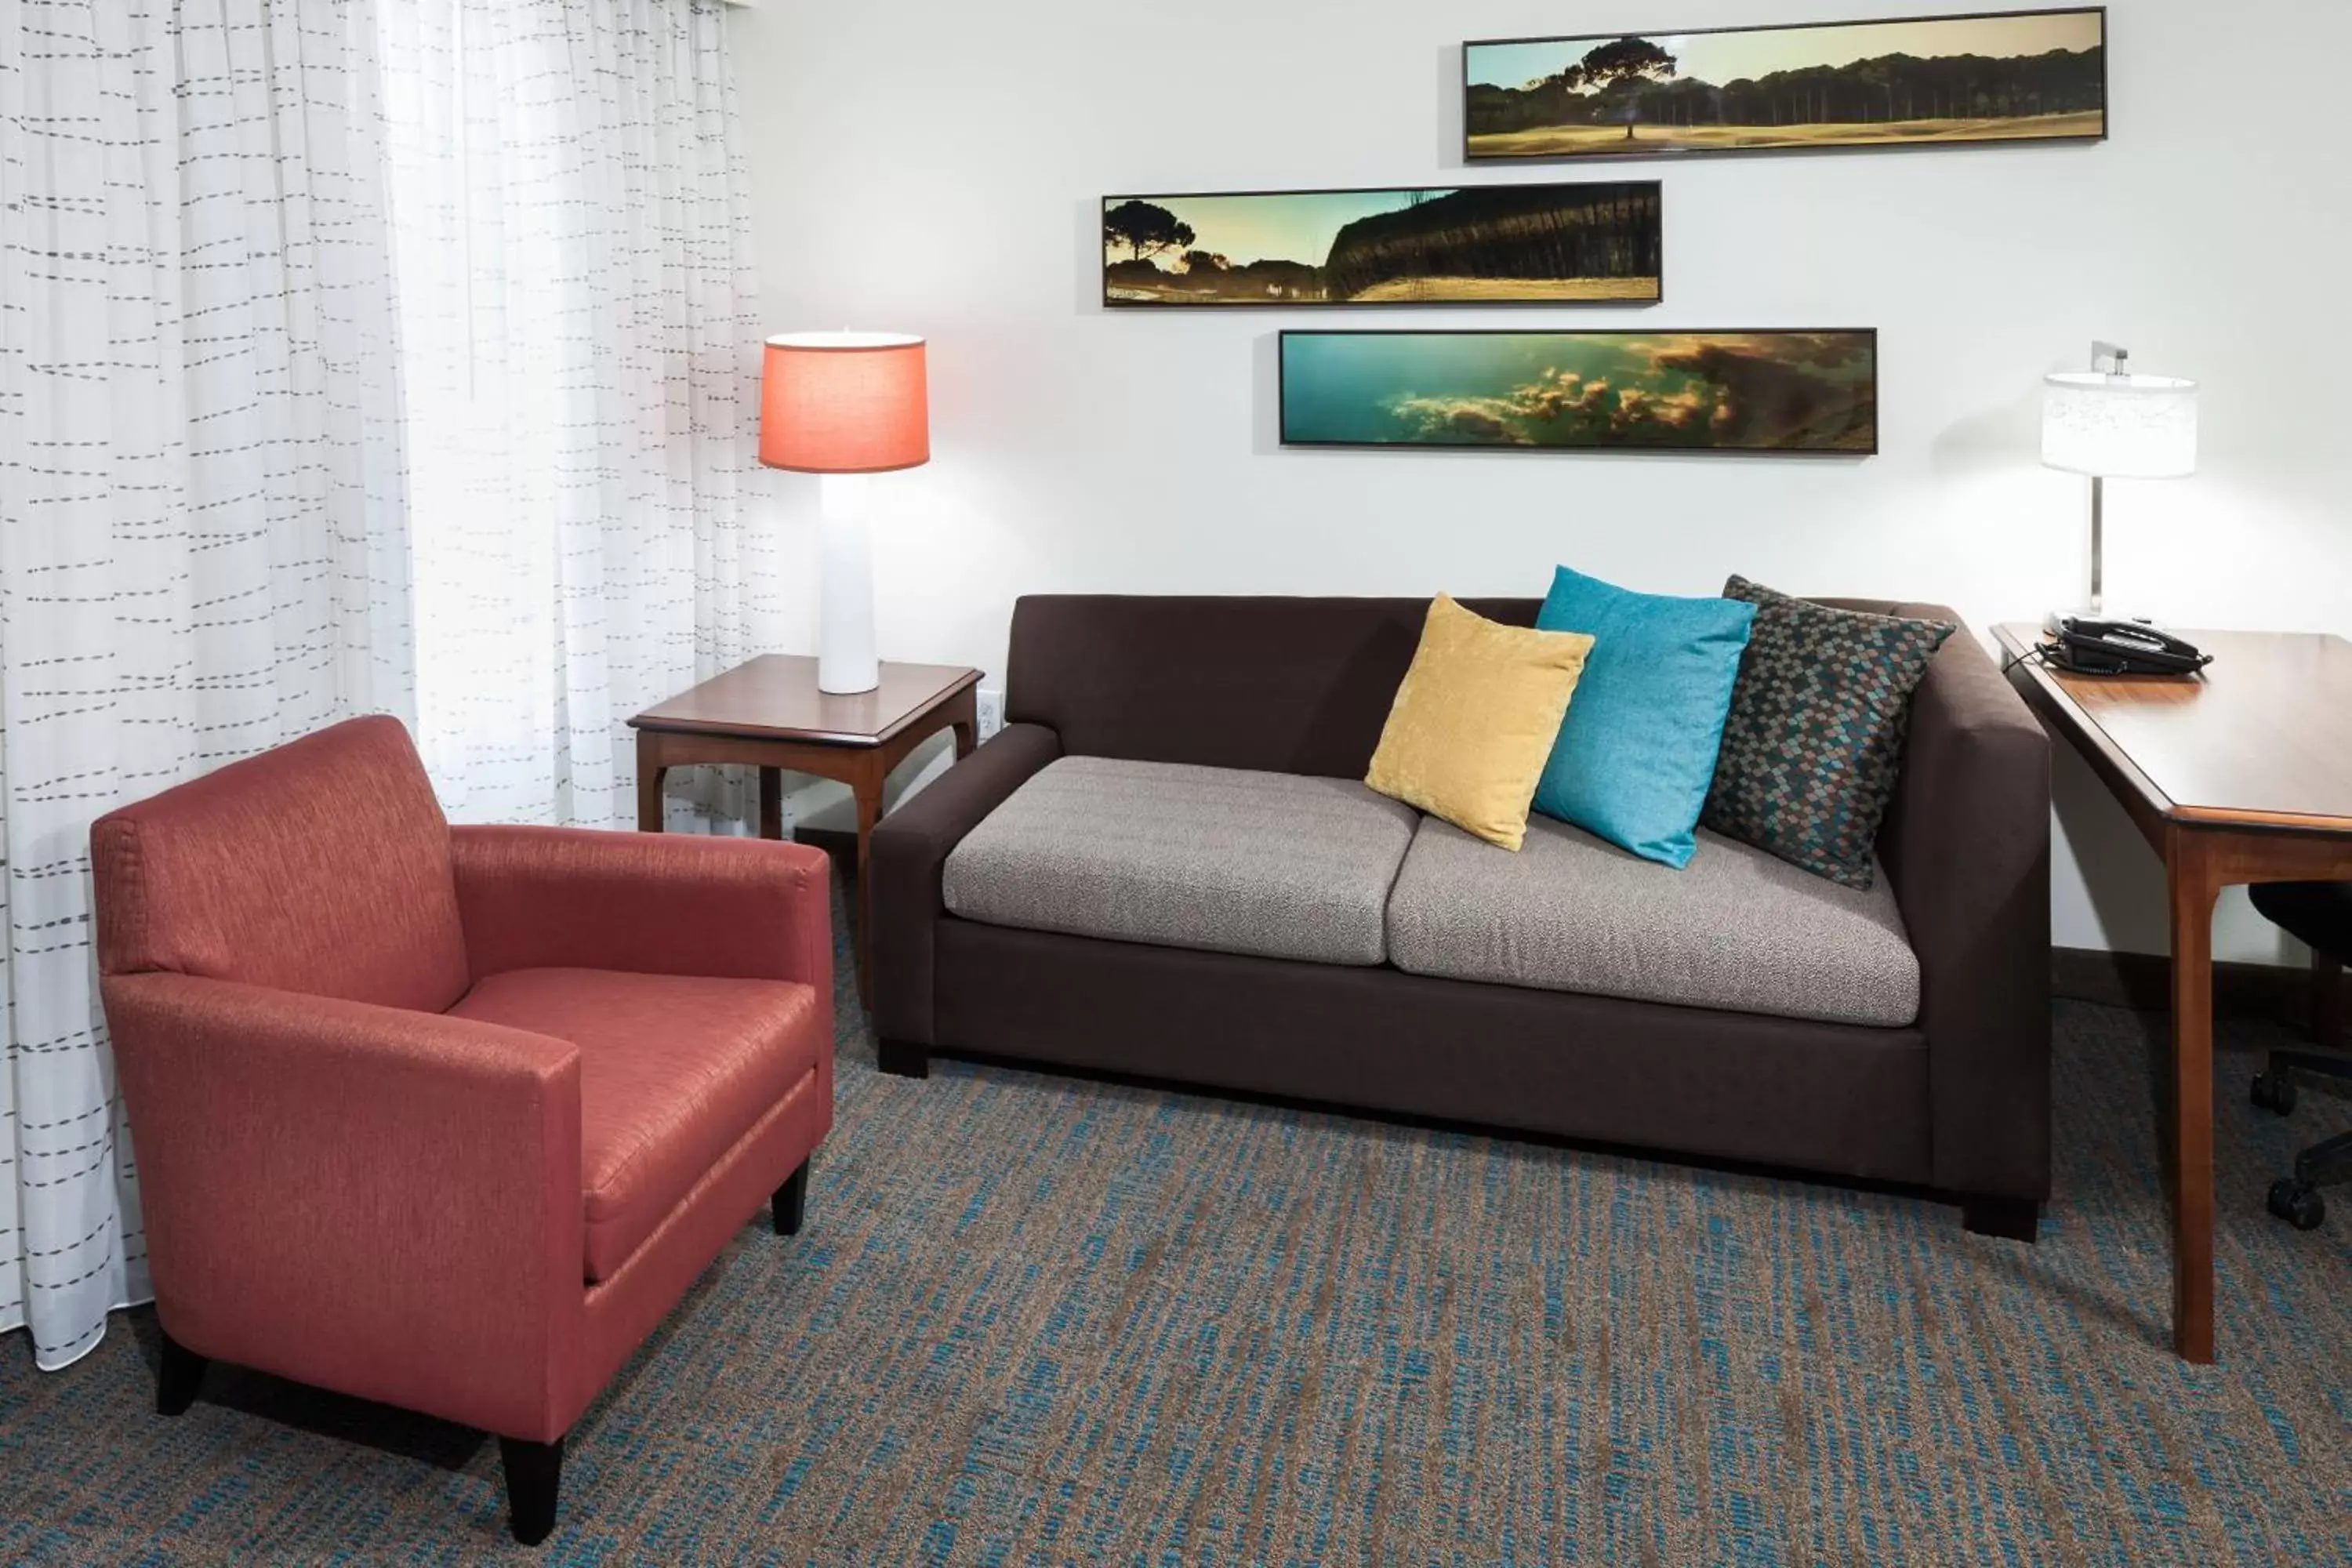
1928	81
1595	243
1756	391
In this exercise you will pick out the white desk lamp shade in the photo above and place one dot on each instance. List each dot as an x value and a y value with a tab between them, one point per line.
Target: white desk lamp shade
2119	426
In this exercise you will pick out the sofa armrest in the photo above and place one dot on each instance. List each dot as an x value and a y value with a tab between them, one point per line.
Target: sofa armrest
909	848
652	903
1967	848
376	1201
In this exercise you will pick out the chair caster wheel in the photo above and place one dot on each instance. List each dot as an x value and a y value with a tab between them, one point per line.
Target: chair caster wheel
2299	1205
2273	1092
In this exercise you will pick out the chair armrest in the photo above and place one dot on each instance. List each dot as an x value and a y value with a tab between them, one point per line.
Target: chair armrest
910	846
651	903
376	1201
1967	846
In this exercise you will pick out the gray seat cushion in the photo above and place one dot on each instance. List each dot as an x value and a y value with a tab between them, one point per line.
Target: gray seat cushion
1220	859
1737	930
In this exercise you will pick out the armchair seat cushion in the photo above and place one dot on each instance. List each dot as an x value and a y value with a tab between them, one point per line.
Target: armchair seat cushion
674	1069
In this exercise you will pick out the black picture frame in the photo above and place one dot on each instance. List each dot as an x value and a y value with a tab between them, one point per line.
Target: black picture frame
1648	195
1471	154
1283	366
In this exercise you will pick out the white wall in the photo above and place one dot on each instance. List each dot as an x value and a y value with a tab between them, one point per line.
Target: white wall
935	165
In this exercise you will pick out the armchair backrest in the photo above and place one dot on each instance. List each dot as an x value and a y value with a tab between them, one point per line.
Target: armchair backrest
321	866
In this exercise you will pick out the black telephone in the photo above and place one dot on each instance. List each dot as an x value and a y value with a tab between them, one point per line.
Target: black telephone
2091	646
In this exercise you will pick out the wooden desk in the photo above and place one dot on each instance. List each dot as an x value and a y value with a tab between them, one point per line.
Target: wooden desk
768	714
2241	775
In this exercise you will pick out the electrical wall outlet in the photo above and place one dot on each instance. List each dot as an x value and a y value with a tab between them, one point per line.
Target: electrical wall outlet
991	712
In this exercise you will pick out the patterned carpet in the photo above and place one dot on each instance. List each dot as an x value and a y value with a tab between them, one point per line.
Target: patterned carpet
1038	1319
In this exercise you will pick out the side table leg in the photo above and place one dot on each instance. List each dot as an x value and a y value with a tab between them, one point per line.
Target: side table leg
963	713
772	803
867	787
650	773
2193	898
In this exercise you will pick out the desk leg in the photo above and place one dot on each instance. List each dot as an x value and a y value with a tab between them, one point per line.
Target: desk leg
650	773
772	803
868	788
2194	894
2327	1001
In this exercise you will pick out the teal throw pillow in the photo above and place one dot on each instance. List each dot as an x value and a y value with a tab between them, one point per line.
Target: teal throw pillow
1637	751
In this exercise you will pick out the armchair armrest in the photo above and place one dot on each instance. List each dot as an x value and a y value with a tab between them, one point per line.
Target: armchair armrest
908	849
1967	846
652	903
377	1200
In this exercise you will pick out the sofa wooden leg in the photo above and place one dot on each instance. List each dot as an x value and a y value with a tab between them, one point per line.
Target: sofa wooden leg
534	1476
2012	1219
791	1202
903	1059
177	1377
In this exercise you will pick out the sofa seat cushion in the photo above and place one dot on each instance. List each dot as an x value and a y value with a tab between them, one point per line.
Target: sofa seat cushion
1231	861
674	1069
1737	930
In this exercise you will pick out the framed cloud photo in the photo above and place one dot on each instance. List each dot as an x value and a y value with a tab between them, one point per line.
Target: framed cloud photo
1929	82
1753	392
1589	243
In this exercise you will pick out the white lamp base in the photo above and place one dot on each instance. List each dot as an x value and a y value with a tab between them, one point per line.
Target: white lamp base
846	661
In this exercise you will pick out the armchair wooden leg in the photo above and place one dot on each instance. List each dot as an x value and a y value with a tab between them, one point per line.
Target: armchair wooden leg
791	1202
902	1058
534	1476
178	1376
2012	1219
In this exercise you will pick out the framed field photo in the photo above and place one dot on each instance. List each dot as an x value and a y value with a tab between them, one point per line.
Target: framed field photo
1583	390
1929	82
1482	245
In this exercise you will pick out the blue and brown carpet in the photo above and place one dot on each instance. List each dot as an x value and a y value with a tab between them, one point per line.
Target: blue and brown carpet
1040	1319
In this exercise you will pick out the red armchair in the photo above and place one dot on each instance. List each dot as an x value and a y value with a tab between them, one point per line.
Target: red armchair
448	1117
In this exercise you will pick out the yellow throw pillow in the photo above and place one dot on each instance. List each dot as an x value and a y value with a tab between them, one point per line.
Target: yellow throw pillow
1475	719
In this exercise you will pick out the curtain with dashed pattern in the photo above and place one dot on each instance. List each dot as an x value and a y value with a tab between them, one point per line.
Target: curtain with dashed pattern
355	356
203	545
581	345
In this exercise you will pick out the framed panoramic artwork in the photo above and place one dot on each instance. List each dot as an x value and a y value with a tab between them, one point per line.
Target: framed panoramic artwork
1931	81
1583	390
1484	244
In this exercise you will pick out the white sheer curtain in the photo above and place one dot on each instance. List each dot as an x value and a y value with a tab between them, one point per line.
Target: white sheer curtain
580	348
208	458
202	546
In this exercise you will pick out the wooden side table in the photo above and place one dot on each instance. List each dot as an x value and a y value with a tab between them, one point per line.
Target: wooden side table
2241	775
768	714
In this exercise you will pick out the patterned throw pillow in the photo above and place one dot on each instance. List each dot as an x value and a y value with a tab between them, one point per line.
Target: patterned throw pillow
1815	742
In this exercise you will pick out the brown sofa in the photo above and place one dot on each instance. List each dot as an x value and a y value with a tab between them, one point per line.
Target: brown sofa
1955	1101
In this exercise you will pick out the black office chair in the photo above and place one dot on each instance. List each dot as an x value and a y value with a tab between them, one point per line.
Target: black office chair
2319	915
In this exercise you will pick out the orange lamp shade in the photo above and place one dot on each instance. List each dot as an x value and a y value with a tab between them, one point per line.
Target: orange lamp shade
844	403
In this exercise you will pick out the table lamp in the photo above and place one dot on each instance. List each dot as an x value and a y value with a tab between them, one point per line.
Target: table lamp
2111	425
843	405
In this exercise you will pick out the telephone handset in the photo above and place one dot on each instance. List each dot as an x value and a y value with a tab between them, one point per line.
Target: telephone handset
2089	646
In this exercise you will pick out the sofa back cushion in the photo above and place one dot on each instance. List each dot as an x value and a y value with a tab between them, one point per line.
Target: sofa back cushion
321	866
1280	685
